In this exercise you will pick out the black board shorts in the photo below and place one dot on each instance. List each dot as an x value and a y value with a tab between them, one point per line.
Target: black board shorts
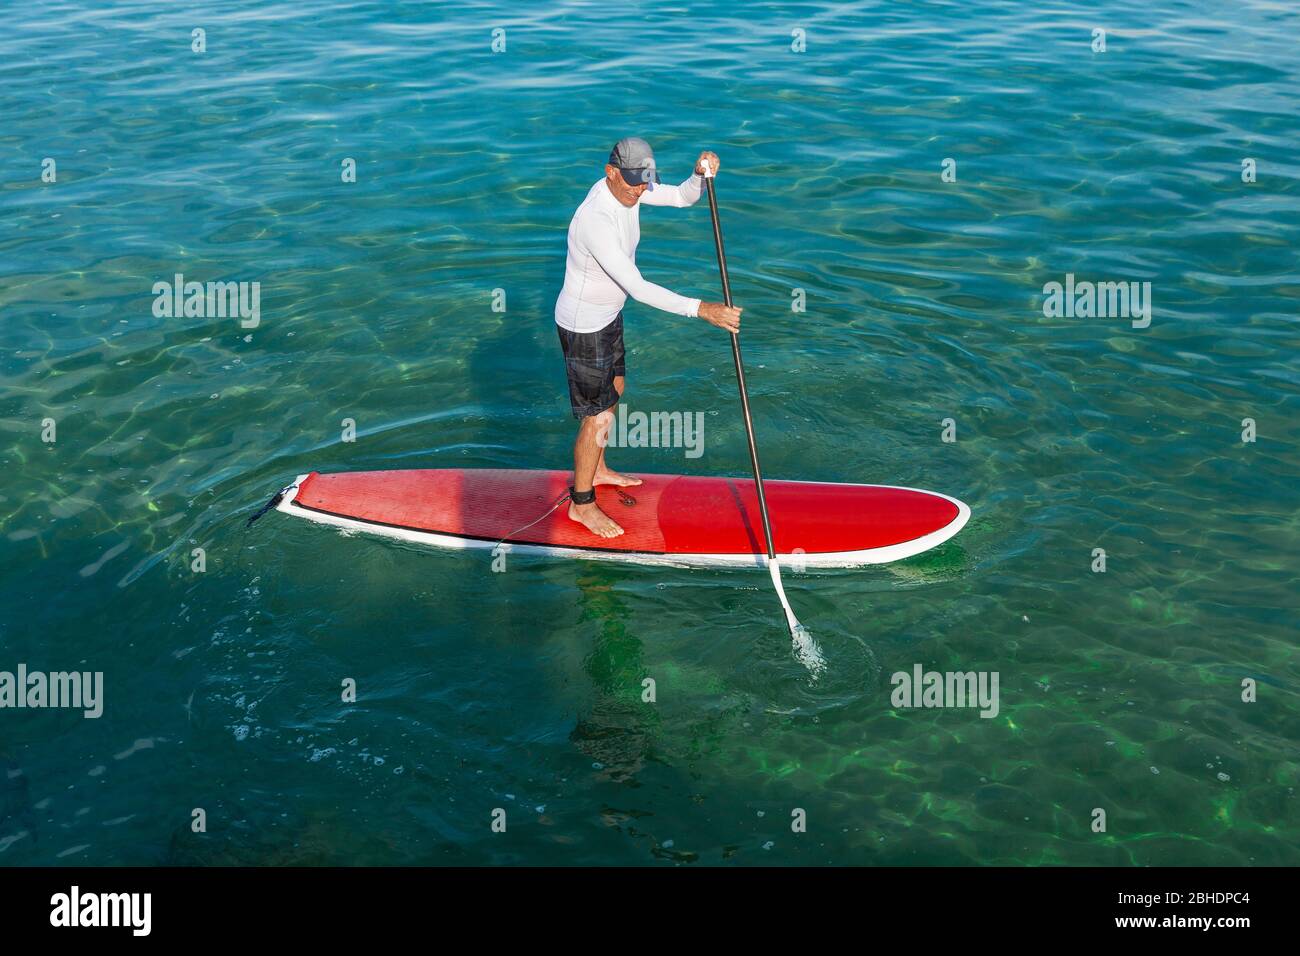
592	360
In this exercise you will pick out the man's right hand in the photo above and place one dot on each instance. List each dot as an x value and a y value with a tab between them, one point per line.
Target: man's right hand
723	316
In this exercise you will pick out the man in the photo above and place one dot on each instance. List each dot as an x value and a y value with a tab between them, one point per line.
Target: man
599	275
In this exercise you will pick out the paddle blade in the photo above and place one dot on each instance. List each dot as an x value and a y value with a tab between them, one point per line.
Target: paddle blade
806	651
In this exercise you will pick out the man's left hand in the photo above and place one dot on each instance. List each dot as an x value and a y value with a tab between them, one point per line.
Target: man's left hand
707	157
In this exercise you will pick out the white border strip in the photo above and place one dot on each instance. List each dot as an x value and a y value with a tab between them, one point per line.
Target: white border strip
826	559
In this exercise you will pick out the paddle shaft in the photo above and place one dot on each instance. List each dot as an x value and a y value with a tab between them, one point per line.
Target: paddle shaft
740	371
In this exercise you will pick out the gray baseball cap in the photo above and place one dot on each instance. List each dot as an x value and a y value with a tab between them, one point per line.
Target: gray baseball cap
635	160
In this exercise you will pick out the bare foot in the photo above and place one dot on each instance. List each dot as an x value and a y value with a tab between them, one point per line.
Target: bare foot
608	477
595	520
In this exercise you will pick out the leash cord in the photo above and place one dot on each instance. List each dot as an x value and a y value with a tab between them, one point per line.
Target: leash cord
558	501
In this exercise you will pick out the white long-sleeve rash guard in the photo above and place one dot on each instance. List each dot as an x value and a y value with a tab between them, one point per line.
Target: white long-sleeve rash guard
601	271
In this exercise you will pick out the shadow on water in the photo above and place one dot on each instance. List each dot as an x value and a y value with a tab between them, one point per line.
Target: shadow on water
617	733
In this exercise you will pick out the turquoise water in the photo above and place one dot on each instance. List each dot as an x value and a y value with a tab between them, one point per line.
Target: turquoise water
523	690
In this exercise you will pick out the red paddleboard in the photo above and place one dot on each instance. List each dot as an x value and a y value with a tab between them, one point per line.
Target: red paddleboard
676	519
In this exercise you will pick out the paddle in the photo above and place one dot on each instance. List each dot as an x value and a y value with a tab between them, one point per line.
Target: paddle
805	649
